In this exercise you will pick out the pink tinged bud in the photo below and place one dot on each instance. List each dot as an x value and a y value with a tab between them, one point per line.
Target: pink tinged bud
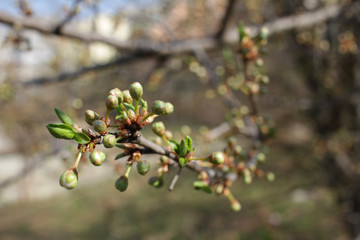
69	179
97	157
109	141
111	102
159	107
91	116
169	108
117	93
127	97
136	91
100	126
217	158
158	128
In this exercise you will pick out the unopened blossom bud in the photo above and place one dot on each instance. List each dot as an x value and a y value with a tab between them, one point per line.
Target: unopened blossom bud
69	179
109	141
112	102
143	167
100	126
97	157
168	134
264	32
127	97
131	113
117	93
156	181
91	116
122	183
169	108
217	158
159	107
235	206
158	128
136	91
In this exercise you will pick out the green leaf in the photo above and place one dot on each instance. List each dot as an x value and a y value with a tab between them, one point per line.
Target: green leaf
182	151
189	144
203	186
143	104
182	161
61	130
82	138
123	154
129	106
63	117
174	145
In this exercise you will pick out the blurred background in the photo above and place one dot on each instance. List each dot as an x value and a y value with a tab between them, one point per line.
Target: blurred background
70	53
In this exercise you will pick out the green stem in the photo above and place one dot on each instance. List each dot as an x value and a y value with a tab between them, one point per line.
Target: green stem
128	171
107	116
136	107
124	108
165	140
199	159
77	160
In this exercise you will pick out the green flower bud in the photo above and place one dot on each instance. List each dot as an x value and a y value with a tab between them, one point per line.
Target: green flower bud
100	126
127	97
164	160
247	176
117	93
97	157
143	167
69	179
109	141
122	183
156	182
112	102
158	128
91	116
217	158
132	114
136	91
159	107
169	108
270	176
264	32
235	206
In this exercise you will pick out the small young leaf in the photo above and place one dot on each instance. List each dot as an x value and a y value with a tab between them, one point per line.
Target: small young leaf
182	151
129	106
203	186
174	145
81	138
123	154
182	161
241	31
61	130
189	143
63	117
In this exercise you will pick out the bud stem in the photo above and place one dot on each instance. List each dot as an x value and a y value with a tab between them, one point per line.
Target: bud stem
77	160
123	107
107	116
165	140
199	158
128	171
136	107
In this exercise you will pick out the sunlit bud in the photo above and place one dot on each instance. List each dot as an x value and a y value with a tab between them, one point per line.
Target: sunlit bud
69	179
247	176
158	128
117	93
109	141
235	206
217	158
156	181
219	189
237	149
143	167
264	32
159	107
97	157
100	126
261	157
91	116
122	183
164	160
111	102
168	134
169	108
136	91
270	176
127	97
